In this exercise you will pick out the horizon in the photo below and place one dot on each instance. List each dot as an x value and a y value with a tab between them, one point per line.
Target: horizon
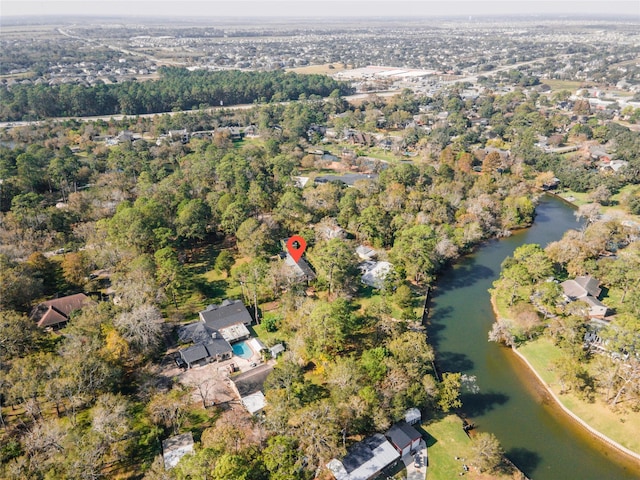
314	9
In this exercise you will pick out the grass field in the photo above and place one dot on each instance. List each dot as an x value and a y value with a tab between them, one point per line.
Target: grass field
557	85
620	426
445	441
618	201
325	69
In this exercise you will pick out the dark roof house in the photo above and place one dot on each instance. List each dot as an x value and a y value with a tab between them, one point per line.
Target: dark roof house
403	437
228	313
55	313
211	338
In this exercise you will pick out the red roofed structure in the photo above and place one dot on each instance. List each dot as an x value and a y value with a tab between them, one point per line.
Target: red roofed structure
55	313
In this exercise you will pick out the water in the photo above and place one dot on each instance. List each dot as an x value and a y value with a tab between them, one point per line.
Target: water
537	437
242	350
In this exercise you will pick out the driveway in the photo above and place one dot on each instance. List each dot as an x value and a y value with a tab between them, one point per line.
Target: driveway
413	472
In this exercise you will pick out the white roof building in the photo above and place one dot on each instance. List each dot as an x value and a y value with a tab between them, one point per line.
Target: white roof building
365	460
254	403
176	447
374	273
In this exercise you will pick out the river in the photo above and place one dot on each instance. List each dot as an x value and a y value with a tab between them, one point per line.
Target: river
539	438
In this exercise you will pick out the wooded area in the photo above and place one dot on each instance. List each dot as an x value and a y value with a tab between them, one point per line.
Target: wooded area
177	89
155	229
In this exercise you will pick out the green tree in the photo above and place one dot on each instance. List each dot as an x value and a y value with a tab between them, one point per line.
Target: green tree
170	274
224	262
335	263
283	460
193	219
449	391
414	248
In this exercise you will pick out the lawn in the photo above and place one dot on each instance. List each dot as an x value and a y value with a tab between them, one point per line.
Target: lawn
324	69
618	201
621	426
445	441
557	85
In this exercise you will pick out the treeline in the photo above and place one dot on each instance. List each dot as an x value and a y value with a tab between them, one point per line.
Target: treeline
177	89
608	366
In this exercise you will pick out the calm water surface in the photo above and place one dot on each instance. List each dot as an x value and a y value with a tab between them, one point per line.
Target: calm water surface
538	438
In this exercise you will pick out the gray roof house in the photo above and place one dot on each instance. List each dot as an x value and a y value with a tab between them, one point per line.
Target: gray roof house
208	345
211	338
365	460
587	289
229	312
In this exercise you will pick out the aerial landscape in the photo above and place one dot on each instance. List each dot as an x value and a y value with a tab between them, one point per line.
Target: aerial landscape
326	240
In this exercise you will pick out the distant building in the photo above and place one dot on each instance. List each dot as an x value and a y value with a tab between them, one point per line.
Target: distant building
412	416
366	253
277	349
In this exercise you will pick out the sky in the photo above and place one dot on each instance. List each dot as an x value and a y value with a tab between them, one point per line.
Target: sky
315	8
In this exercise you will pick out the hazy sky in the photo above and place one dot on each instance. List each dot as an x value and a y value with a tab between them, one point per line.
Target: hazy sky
315	8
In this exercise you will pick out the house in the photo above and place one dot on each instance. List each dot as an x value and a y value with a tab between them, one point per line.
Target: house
300	182
55	313
251	131
231	318
297	272
176	447
404	438
365	460
208	345
374	273
329	230
613	165
585	288
581	287
211	337
181	136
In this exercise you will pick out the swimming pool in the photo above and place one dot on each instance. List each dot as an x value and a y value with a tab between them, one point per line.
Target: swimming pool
242	350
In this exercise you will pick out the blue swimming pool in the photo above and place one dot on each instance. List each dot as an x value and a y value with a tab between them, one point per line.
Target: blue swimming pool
242	350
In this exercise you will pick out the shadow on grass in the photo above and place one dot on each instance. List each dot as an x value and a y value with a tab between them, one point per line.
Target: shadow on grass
214	289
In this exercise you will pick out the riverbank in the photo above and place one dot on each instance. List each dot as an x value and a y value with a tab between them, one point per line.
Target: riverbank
568	407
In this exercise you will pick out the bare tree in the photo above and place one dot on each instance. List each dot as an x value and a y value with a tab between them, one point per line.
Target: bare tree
487	452
141	328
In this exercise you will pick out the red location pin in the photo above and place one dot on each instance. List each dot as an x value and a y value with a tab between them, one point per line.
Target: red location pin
296	246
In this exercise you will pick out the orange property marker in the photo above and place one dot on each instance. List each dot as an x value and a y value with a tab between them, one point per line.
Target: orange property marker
296	245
